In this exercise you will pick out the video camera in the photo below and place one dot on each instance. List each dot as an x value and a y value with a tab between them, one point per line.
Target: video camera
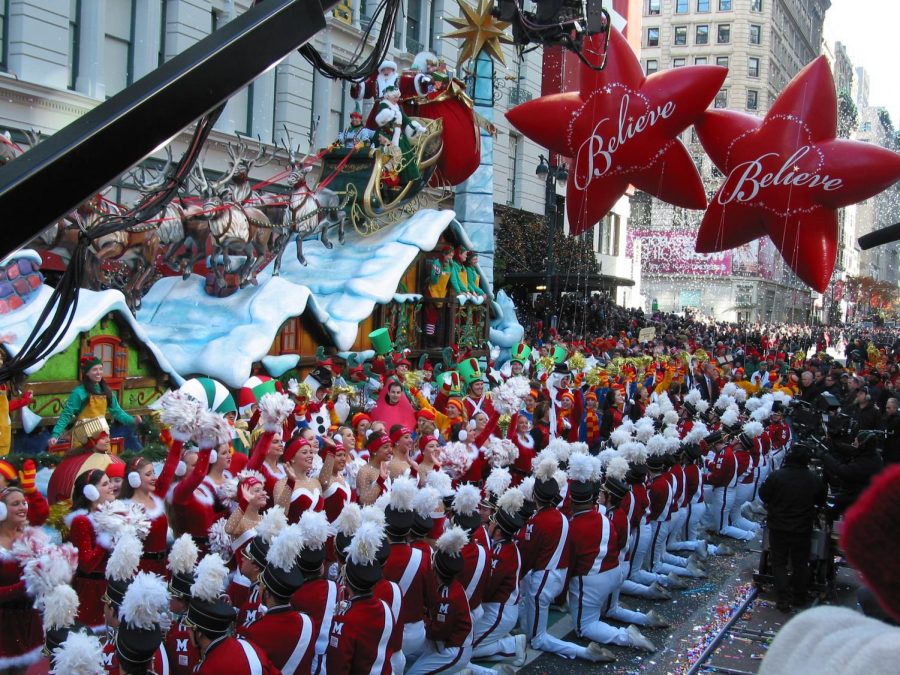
820	418
557	22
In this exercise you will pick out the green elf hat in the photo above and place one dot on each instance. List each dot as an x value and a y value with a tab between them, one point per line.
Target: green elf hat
381	341
88	361
520	353
469	371
559	354
447	376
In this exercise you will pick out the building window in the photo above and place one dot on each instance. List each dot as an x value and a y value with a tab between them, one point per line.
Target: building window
4	33
679	62
653	37
653	7
118	52
114	356
413	26
722	99
680	35
681	6
161	59
436	9
752	99
652	66
723	37
339	112
724	5
74	40
722	61
700	60
702	5
755	34
755	5
702	35
753	66
289	342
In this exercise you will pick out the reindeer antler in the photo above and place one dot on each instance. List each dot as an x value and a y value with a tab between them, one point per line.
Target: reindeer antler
157	177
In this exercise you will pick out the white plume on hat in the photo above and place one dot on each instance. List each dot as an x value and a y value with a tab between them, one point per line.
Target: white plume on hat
761	413
580	468
644	429
729	389
372	514
619	436
179	412
752	429
441	482
730	417
125	558
697	433
273	521
183	555
365	544
527	488
209	582
511	501
146	602
657	445
426	501
754	403
403	490
452	541
702	406
466	500
606	455
314	527
546	469
634	452
219	540
617	468
274	409
560	448
285	548
348	520
670	417
60	607
80	654
693	397
498	481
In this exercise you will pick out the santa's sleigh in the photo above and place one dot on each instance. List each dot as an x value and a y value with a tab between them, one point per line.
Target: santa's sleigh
373	200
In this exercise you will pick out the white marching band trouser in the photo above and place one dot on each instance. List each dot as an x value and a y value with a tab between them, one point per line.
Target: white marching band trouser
614	611
436	658
539	590
587	597
413	640
492	639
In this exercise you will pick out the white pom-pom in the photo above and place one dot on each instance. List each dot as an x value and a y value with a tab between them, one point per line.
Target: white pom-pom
580	468
274	409
365	544
546	468
498	481
30	544
209	582
451	542
426	501
125	557
60	607
219	540
211	430
403	490
372	514
527	488
617	468
619	436
466	500
273	521
348	520
146	602
511	501
54	567
80	654
285	548
314	527
441	482
179	412
730	417
183	555
752	429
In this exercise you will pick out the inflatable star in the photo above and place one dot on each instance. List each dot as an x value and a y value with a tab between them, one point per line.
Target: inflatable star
478	30
622	128
786	175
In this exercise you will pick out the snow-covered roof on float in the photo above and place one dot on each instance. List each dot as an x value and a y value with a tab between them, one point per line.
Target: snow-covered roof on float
92	307
223	337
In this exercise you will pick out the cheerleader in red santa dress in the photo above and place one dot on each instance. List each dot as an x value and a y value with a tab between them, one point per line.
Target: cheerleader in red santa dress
269	449
21	637
524	440
336	491
299	492
143	487
92	490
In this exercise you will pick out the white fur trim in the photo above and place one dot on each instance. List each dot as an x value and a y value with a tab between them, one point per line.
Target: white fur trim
20	660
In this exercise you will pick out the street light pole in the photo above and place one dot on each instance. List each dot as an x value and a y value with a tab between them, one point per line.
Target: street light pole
553	176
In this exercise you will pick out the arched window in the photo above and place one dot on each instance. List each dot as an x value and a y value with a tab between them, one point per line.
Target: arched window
114	356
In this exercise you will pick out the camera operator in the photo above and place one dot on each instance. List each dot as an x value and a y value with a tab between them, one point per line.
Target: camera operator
891	424
850	466
791	495
863	412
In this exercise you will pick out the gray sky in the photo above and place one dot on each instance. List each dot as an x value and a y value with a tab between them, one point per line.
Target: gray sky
869	30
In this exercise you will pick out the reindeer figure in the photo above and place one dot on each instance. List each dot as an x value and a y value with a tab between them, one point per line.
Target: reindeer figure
179	225
309	210
233	226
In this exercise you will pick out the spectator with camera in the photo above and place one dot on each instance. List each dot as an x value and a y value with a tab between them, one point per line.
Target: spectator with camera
791	495
849	467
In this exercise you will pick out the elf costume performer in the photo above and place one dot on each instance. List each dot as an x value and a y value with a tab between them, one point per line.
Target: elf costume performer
438	280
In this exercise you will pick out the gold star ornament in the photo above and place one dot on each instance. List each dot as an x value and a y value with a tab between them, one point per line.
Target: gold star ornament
478	30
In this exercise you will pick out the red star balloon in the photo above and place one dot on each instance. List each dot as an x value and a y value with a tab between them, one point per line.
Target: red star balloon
622	129
787	173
